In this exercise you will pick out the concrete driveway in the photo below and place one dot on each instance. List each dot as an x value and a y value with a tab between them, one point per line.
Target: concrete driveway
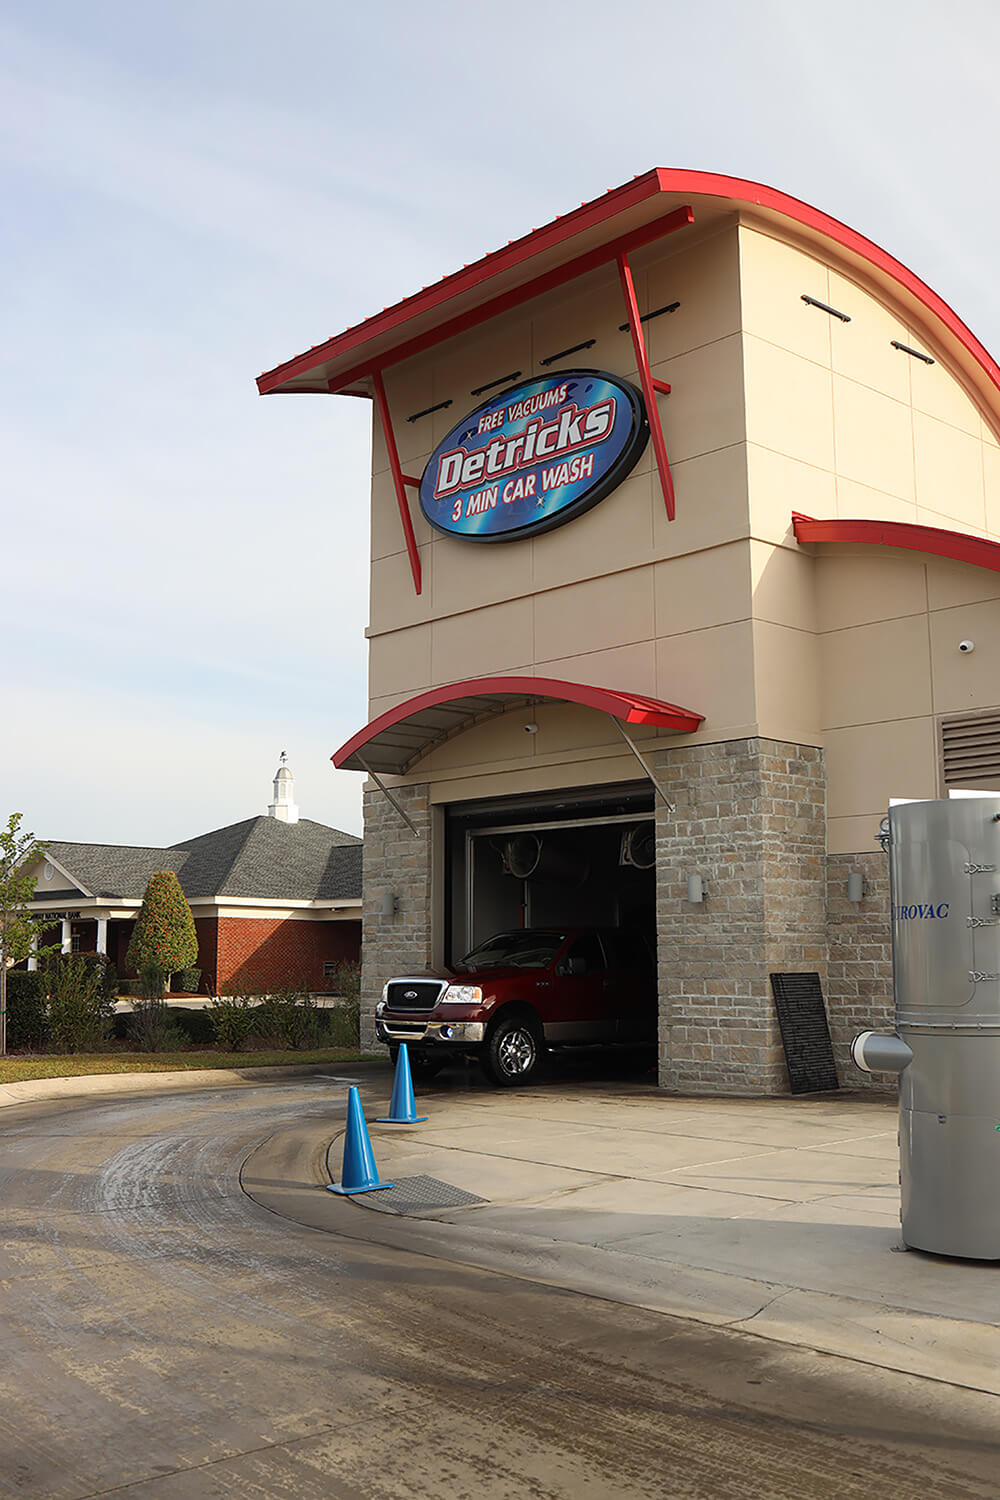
776	1214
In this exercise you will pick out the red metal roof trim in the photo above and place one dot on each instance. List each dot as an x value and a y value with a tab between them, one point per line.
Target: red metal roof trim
590	215
957	545
495	695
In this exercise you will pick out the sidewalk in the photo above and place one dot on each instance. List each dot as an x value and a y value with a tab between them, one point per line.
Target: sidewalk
779	1216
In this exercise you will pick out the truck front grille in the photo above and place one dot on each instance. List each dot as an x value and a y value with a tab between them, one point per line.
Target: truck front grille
414	994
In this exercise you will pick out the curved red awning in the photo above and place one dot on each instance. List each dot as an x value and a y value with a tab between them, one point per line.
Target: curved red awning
957	545
466	297
391	743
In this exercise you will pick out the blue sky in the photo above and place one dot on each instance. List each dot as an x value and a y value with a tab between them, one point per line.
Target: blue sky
193	192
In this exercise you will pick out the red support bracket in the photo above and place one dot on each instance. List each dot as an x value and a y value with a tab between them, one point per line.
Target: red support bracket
650	386
399	479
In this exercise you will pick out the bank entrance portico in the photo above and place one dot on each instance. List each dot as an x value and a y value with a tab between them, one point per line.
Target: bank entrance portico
681	508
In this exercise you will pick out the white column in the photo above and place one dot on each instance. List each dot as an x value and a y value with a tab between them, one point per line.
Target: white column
67	935
33	955
102	934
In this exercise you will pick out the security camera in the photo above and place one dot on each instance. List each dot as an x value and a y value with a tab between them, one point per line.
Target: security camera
966	645
531	728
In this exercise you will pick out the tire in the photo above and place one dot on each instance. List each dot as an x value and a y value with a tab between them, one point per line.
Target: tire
513	1051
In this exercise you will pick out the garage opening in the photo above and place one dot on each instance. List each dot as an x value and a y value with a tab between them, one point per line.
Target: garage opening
581	858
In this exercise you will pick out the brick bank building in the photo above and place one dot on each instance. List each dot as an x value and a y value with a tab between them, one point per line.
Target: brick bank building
684	513
276	900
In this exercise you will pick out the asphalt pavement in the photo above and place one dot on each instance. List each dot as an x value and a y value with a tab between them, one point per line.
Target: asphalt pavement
187	1313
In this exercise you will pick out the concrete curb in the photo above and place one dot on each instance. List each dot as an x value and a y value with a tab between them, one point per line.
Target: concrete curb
284	1173
89	1085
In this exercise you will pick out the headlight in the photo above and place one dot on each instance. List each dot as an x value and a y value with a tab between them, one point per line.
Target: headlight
462	994
385	992
380	1007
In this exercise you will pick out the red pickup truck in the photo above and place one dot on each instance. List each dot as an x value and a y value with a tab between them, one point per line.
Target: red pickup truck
521	993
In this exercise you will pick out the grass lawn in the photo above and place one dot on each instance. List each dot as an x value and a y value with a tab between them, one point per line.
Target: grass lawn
20	1069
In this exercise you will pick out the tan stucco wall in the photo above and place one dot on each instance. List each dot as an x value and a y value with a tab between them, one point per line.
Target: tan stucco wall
619	596
776	406
861	641
889	627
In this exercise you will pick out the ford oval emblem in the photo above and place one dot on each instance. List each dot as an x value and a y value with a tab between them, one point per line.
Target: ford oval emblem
534	456
409	994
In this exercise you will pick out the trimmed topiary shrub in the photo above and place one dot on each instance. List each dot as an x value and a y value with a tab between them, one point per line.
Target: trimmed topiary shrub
186	981
164	937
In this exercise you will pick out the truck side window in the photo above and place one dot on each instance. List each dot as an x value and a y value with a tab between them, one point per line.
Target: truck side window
585	955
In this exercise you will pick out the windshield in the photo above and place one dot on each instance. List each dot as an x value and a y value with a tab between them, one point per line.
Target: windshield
519	950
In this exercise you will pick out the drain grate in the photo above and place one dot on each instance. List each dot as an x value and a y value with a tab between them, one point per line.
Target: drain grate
414	1195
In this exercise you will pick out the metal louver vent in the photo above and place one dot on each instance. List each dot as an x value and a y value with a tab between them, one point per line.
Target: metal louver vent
970	750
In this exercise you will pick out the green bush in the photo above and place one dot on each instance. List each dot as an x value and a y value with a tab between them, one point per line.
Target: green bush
27	1021
346	979
233	1017
107	974
288	1017
152	982
80	1013
343	1024
186	981
153	1027
196	1026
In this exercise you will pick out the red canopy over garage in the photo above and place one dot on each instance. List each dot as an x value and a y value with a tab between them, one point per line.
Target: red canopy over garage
392	743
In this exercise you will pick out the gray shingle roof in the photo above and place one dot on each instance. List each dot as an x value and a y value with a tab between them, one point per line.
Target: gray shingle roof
113	869
258	858
302	861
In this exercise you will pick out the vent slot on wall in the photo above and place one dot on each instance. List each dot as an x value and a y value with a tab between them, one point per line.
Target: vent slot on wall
970	750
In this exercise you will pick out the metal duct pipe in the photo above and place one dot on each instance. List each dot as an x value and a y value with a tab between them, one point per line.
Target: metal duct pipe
638	847
878	1052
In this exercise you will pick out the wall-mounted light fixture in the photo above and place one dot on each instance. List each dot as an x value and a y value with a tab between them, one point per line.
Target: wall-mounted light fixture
696	889
855	886
389	904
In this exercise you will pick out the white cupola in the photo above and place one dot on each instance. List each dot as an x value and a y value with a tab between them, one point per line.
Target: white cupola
283	807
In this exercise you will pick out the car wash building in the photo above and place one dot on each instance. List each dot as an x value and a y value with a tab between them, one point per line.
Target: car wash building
682	564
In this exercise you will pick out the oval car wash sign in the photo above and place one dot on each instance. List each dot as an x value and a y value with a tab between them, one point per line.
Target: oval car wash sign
534	456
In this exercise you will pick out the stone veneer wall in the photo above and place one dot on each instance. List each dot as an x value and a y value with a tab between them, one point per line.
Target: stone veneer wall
751	819
396	860
859	994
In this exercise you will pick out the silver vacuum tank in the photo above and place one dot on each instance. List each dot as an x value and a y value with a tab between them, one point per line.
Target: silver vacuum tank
945	893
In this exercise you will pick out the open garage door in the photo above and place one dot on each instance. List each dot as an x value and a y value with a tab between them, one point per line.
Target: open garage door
582	858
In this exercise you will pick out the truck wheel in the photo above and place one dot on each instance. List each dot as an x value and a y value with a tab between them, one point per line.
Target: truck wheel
512	1051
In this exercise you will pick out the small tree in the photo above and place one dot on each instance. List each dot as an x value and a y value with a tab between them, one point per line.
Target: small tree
164	938
19	928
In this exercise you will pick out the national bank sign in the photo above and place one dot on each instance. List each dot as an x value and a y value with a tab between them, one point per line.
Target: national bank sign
534	456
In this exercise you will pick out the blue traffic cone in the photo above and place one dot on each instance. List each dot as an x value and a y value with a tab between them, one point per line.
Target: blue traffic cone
402	1105
359	1173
